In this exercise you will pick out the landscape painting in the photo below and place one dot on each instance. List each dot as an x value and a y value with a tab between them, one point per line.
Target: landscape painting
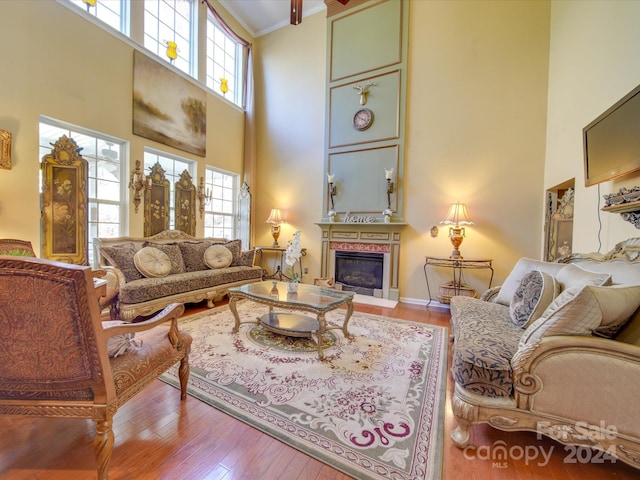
168	108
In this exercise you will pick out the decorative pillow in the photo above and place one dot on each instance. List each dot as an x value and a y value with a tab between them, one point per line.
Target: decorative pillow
175	255
246	258
534	294
152	262
121	257
617	303
193	255
235	247
218	256
520	269
574	312
120	344
572	276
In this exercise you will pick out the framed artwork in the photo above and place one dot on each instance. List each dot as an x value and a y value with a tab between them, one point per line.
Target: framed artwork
156	202
64	203
185	204
168	108
559	225
5	149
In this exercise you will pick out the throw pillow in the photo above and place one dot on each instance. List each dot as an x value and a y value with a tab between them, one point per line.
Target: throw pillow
572	276
120	344
175	255
193	255
218	256
521	268
617	303
246	258
534	294
121	257
235	247
574	312
152	262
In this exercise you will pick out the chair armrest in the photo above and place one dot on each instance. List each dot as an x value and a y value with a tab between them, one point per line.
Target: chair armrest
171	313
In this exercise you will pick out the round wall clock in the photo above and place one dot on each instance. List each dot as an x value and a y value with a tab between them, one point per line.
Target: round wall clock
363	119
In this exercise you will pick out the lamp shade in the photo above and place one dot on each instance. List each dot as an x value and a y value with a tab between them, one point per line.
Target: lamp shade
275	217
457	215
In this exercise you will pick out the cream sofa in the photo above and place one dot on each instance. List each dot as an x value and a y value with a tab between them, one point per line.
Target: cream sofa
552	351
153	272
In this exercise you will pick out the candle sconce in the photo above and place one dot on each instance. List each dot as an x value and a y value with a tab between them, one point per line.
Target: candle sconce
204	196
139	183
388	175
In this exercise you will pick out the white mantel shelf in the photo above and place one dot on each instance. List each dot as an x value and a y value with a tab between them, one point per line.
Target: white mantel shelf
363	225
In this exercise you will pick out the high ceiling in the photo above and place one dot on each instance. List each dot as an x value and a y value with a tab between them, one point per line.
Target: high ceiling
263	16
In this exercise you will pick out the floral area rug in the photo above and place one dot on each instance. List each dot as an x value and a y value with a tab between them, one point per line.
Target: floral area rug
374	409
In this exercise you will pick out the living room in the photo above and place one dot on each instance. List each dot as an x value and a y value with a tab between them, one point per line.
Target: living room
497	96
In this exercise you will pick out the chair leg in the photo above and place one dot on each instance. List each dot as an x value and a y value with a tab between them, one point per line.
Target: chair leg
183	374
103	446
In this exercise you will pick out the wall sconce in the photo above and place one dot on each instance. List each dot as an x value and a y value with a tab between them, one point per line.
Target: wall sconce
388	175
332	192
275	219
457	216
138	183
204	196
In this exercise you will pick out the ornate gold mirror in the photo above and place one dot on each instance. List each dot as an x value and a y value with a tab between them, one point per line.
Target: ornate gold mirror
64	203
156	202
185	204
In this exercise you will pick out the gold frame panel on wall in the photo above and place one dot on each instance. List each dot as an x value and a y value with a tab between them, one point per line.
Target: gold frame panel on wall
559	226
185	204
156	202
64	203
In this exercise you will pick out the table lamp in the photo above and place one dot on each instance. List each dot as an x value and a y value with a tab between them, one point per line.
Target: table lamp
275	219
457	216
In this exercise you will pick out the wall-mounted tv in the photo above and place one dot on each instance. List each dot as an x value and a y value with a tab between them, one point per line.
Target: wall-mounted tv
612	141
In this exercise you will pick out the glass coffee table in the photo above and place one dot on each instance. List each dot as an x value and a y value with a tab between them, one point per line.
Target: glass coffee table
308	298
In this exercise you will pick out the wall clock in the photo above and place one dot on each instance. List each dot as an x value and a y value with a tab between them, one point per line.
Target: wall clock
363	119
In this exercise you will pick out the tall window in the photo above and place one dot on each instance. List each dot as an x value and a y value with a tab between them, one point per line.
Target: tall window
169	32
173	167
108	180
220	213
114	13
224	61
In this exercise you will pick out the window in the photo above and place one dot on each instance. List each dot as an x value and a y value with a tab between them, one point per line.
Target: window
173	167
107	181
224	61
220	212
169	26
114	13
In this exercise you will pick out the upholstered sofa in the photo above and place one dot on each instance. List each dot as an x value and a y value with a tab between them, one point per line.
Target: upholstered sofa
554	350
153	272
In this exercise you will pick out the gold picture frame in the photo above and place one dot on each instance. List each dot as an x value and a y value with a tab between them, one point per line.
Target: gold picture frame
5	149
156	202
64	203
185	204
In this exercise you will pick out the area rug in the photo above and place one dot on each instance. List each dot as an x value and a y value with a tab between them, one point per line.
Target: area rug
374	409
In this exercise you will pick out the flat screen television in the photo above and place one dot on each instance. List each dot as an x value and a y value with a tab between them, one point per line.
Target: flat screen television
612	141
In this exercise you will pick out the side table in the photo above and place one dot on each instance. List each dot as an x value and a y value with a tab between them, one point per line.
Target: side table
278	270
457	265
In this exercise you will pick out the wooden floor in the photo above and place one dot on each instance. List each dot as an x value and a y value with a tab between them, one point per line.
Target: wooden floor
159	437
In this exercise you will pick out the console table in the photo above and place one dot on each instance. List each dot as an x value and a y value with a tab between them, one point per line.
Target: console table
457	265
278	257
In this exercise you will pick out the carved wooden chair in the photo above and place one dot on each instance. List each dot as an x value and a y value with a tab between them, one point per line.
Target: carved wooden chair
54	349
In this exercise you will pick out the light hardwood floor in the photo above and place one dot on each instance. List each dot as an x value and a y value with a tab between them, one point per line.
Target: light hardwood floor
159	437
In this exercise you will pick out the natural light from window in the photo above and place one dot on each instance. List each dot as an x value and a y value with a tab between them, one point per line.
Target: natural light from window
223	62
220	213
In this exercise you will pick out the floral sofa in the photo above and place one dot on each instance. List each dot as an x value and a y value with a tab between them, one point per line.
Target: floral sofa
153	272
554	350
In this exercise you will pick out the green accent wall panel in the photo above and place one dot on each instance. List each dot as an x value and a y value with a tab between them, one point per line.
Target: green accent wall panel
367	39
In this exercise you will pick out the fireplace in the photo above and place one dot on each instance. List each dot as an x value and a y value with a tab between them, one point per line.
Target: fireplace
360	272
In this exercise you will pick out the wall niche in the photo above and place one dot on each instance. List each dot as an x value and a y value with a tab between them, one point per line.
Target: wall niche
559	221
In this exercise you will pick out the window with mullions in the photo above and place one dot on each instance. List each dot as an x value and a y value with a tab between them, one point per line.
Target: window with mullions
114	13
169	32
173	167
220	211
224	63
106	157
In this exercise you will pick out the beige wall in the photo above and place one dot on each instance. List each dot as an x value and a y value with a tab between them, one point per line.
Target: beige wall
475	132
58	64
593	63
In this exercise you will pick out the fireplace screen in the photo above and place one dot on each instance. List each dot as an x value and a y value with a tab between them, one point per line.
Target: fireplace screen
360	272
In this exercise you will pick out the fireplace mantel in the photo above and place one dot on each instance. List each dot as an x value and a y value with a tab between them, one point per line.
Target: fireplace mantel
379	236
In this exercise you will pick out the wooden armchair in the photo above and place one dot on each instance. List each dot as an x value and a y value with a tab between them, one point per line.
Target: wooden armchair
53	349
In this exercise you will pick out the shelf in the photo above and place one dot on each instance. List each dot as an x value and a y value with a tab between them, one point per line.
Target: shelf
623	207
